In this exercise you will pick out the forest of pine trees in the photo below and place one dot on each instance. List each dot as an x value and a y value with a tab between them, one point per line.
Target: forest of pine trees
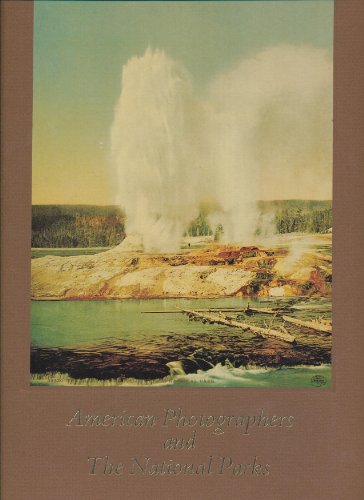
76	226
80	226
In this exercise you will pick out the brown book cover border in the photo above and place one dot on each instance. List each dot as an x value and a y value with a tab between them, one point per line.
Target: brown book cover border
320	458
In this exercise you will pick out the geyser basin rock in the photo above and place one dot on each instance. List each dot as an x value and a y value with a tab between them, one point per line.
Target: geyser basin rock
205	281
103	276
212	272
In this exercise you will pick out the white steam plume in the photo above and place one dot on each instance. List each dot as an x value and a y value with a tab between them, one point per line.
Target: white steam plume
154	148
263	131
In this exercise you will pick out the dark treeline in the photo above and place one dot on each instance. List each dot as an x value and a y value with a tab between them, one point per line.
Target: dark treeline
299	216
71	226
298	221
284	216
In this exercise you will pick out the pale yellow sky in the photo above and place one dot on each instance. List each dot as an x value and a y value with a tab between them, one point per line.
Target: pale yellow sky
81	47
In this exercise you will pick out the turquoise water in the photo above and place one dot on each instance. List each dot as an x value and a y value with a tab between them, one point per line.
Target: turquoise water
99	324
227	376
66	323
218	376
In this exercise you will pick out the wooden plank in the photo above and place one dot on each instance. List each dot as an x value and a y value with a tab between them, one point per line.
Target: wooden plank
222	320
261	310
309	324
211	309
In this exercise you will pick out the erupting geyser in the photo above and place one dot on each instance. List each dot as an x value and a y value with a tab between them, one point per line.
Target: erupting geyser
263	131
153	147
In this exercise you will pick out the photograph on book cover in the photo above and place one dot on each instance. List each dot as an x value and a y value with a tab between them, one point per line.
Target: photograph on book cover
182	194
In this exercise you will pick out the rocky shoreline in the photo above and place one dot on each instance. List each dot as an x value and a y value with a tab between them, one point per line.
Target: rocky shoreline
176	354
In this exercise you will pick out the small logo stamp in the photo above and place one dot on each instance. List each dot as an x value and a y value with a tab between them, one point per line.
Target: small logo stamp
318	380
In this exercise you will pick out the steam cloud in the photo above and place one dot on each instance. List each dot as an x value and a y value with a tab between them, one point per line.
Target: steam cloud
262	131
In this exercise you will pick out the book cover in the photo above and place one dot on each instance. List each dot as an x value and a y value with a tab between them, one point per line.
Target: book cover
181	249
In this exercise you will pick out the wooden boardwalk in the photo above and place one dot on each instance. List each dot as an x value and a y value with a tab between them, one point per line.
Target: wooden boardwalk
214	315
224	320
319	327
312	325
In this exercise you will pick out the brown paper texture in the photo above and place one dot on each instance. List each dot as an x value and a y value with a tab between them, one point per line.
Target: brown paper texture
318	457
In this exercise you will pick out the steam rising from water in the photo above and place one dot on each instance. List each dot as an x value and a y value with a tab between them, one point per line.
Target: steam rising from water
262	131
